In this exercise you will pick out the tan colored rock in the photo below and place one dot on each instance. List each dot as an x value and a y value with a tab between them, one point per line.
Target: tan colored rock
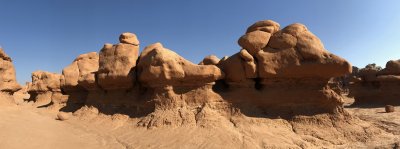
377	86
239	69
249	64
117	65
254	41
210	60
265	25
8	82
369	73
235	72
159	66
258	35
45	88
308	58
44	81
129	38
282	40
62	116
81	72
392	68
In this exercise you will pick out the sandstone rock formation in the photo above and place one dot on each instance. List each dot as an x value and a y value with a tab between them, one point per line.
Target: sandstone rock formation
81	73
210	60
8	81
277	73
117	63
159	66
277	91
374	85
283	69
79	77
45	89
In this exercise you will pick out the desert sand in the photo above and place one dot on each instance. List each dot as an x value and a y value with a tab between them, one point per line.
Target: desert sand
25	126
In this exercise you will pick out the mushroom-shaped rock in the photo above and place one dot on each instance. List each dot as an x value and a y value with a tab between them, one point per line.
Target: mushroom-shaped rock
297	53
117	64
159	66
210	60
8	82
81	72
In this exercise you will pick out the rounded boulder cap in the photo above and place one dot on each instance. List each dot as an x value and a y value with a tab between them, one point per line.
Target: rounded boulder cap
128	38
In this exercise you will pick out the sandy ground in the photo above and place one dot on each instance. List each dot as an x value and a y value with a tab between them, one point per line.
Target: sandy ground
26	127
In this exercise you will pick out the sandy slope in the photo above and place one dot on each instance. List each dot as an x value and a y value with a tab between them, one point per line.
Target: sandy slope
22	127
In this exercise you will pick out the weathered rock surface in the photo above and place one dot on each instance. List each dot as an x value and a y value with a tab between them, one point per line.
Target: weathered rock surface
210	60
45	89
81	73
8	82
277	73
297	53
287	71
117	63
374	85
258	35
159	66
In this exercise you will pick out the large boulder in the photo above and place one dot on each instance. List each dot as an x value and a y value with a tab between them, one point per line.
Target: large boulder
258	35
117	63
159	66
210	60
8	82
81	72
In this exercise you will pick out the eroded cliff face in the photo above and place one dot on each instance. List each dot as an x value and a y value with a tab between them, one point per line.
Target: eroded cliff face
374	85
278	73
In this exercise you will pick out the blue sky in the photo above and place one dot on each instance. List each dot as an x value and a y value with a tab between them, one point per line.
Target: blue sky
49	34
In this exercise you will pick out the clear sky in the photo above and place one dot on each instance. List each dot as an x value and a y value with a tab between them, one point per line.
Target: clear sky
49	34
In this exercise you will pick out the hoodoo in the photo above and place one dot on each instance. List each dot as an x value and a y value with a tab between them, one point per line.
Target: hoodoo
283	71
374	85
8	82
